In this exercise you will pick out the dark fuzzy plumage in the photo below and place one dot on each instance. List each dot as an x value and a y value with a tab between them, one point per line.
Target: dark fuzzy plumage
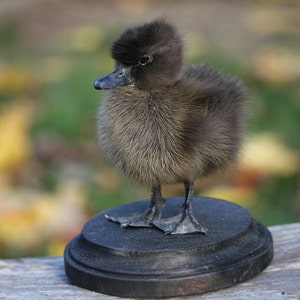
168	126
159	39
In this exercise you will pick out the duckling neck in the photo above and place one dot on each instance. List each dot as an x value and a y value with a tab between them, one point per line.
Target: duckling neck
139	109
153	100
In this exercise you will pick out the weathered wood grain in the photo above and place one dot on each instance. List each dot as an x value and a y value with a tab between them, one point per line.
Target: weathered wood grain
44	278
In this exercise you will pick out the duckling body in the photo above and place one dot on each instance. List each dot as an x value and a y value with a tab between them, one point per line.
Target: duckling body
160	125
172	134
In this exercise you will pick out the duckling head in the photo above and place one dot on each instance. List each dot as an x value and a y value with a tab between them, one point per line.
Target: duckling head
147	56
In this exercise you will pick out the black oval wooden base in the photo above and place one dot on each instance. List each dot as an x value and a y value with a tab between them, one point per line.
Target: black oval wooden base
146	263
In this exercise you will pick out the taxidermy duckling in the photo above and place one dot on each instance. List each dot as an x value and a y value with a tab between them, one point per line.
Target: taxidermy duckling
159	124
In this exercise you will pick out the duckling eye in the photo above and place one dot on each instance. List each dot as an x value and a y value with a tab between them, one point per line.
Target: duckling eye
145	60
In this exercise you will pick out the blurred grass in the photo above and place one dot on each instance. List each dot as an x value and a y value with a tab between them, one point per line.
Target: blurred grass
279	110
275	200
69	105
58	79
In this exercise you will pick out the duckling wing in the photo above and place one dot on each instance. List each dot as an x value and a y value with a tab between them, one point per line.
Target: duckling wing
213	125
215	90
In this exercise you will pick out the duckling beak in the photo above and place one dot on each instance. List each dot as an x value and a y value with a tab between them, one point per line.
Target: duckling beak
119	77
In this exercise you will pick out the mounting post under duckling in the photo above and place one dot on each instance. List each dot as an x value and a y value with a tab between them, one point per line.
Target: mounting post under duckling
159	124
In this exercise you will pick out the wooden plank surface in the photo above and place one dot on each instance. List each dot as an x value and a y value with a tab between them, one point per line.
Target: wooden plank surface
44	278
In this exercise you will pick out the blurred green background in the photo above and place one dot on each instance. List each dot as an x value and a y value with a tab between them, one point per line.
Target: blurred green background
52	175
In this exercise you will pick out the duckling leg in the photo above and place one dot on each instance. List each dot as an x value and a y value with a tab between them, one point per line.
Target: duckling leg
184	222
144	218
188	222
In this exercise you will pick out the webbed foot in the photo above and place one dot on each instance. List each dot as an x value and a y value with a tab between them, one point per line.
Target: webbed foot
136	220
145	218
180	224
183	223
